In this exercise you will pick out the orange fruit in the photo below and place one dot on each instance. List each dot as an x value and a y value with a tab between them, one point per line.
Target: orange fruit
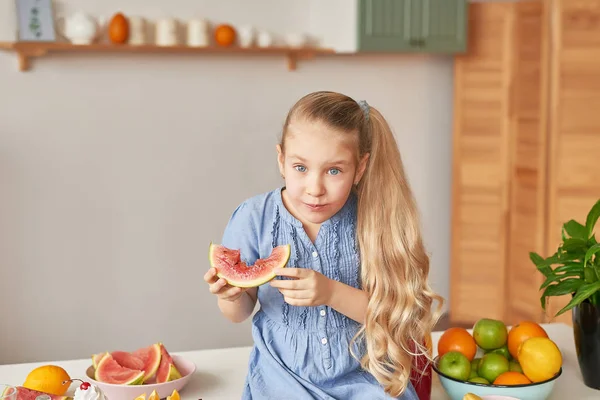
540	358
174	395
457	339
48	379
511	378
521	332
225	35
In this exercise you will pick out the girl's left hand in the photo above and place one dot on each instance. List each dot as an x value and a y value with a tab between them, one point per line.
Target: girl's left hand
308	288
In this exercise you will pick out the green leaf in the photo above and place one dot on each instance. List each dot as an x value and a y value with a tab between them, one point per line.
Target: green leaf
542	265
575	245
583	293
590	253
572	250
567	286
570	266
556	278
592	218
576	230
589	275
536	258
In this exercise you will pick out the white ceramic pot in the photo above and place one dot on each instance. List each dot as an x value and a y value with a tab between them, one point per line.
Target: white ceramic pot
79	28
137	31
197	33
166	32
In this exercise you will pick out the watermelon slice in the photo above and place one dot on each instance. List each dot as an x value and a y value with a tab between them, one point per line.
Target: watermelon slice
167	371
96	359
24	393
128	360
109	371
150	357
230	267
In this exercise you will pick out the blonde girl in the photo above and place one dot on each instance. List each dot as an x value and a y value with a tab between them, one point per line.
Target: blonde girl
353	307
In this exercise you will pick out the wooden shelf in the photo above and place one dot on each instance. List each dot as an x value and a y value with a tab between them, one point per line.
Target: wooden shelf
27	50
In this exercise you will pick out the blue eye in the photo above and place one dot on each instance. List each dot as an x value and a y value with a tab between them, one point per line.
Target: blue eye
334	171
300	168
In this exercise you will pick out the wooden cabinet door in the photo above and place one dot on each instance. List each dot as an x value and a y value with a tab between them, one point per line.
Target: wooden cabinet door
528	171
443	26
480	166
574	175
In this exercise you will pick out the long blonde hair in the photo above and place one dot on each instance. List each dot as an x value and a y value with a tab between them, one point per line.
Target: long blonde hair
394	263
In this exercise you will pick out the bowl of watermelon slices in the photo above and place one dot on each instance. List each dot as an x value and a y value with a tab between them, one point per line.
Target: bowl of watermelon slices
123	375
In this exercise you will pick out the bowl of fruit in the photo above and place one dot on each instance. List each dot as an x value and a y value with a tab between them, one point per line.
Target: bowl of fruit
123	375
490	360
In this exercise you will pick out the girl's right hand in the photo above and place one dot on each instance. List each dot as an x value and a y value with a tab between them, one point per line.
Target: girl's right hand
219	287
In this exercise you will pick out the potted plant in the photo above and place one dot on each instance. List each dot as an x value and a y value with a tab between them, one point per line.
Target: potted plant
574	269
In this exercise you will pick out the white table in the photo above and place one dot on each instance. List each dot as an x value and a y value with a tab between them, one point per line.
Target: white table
220	374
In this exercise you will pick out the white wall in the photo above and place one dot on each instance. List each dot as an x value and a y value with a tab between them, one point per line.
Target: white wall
115	176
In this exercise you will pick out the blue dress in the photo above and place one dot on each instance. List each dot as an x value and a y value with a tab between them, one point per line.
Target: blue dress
302	352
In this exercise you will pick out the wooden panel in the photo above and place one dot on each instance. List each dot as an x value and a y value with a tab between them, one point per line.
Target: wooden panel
480	190
574	183
528	166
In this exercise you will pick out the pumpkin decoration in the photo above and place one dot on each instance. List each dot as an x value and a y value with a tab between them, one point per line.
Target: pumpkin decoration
118	29
225	35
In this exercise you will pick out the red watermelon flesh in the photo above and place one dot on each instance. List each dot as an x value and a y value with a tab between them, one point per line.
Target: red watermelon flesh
128	360
109	371
150	357
29	394
230	267
167	371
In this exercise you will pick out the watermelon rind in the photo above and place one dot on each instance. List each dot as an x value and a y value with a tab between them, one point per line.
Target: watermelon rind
254	282
150	371
167	361
173	373
137	379
96	358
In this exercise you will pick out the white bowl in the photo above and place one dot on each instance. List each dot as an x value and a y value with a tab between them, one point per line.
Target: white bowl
129	392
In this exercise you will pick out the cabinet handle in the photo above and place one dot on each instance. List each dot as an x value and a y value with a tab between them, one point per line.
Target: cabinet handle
421	42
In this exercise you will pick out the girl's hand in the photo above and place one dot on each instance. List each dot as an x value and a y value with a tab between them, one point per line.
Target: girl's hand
219	287
308	288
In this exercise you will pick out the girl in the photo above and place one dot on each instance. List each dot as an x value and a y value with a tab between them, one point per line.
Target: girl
354	306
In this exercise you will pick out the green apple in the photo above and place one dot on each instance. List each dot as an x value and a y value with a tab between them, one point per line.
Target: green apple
514	366
492	365
475	365
502	351
456	365
479	379
490	334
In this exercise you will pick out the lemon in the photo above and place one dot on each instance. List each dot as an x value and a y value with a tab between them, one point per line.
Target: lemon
141	397
540	358
48	379
154	396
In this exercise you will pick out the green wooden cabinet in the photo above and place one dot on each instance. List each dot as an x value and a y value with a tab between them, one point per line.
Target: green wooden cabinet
428	26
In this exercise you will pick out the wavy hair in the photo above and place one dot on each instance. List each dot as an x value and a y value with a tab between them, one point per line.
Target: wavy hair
394	262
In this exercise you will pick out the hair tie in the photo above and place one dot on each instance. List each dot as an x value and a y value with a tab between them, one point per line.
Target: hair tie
364	106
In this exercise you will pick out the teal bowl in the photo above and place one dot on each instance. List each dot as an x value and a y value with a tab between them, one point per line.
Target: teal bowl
456	389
